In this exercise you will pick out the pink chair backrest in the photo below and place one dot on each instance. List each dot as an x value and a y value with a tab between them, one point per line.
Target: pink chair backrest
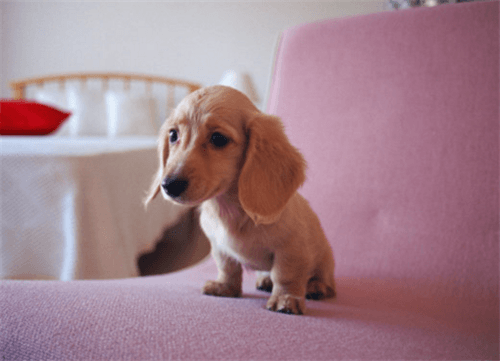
397	114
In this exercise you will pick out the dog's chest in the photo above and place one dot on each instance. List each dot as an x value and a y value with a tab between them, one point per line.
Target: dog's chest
245	249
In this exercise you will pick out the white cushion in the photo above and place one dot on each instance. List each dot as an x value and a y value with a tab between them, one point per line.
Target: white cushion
89	112
130	114
56	99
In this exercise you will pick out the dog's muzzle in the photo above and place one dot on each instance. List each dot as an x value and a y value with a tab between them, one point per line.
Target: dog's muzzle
174	187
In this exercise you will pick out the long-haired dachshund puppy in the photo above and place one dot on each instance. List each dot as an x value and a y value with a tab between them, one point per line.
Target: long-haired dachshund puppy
219	152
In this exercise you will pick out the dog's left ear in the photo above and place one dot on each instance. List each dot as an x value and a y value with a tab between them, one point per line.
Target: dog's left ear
272	172
154	189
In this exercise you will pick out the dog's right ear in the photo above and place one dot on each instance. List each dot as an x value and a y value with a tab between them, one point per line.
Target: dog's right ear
163	143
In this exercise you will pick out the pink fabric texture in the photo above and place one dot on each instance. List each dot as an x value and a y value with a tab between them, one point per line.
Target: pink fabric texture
166	317
397	115
400	130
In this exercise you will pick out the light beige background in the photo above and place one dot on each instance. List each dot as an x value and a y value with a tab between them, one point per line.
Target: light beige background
192	40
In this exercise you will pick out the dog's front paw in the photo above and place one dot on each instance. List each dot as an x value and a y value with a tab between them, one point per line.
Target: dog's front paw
215	288
287	304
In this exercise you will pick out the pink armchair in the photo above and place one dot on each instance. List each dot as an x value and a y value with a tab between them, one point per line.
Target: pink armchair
398	116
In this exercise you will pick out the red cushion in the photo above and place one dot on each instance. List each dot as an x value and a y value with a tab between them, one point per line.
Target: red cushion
20	117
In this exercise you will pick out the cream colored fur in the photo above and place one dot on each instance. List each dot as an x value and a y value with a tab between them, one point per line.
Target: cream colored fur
246	193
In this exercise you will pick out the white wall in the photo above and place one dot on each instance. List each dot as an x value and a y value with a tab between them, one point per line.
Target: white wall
192	40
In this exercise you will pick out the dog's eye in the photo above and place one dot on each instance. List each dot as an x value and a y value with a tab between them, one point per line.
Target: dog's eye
173	136
218	140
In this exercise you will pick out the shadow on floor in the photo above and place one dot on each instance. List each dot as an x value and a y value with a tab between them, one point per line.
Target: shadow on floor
179	247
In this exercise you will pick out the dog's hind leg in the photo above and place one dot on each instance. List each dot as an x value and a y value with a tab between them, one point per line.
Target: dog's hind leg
318	290
264	282
322	284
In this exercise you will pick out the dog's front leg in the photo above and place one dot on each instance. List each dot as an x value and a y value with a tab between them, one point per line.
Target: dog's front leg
228	283
289	286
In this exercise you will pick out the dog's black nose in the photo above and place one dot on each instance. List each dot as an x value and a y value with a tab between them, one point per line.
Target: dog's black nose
174	186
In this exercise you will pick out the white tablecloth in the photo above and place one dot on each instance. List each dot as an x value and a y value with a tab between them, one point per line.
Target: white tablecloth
72	208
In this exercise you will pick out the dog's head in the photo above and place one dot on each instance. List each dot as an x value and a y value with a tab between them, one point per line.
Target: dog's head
215	141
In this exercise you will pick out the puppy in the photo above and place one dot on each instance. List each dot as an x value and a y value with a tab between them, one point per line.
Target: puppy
219	152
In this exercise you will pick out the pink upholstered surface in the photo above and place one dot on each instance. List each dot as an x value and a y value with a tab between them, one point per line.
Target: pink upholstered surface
166	317
397	115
